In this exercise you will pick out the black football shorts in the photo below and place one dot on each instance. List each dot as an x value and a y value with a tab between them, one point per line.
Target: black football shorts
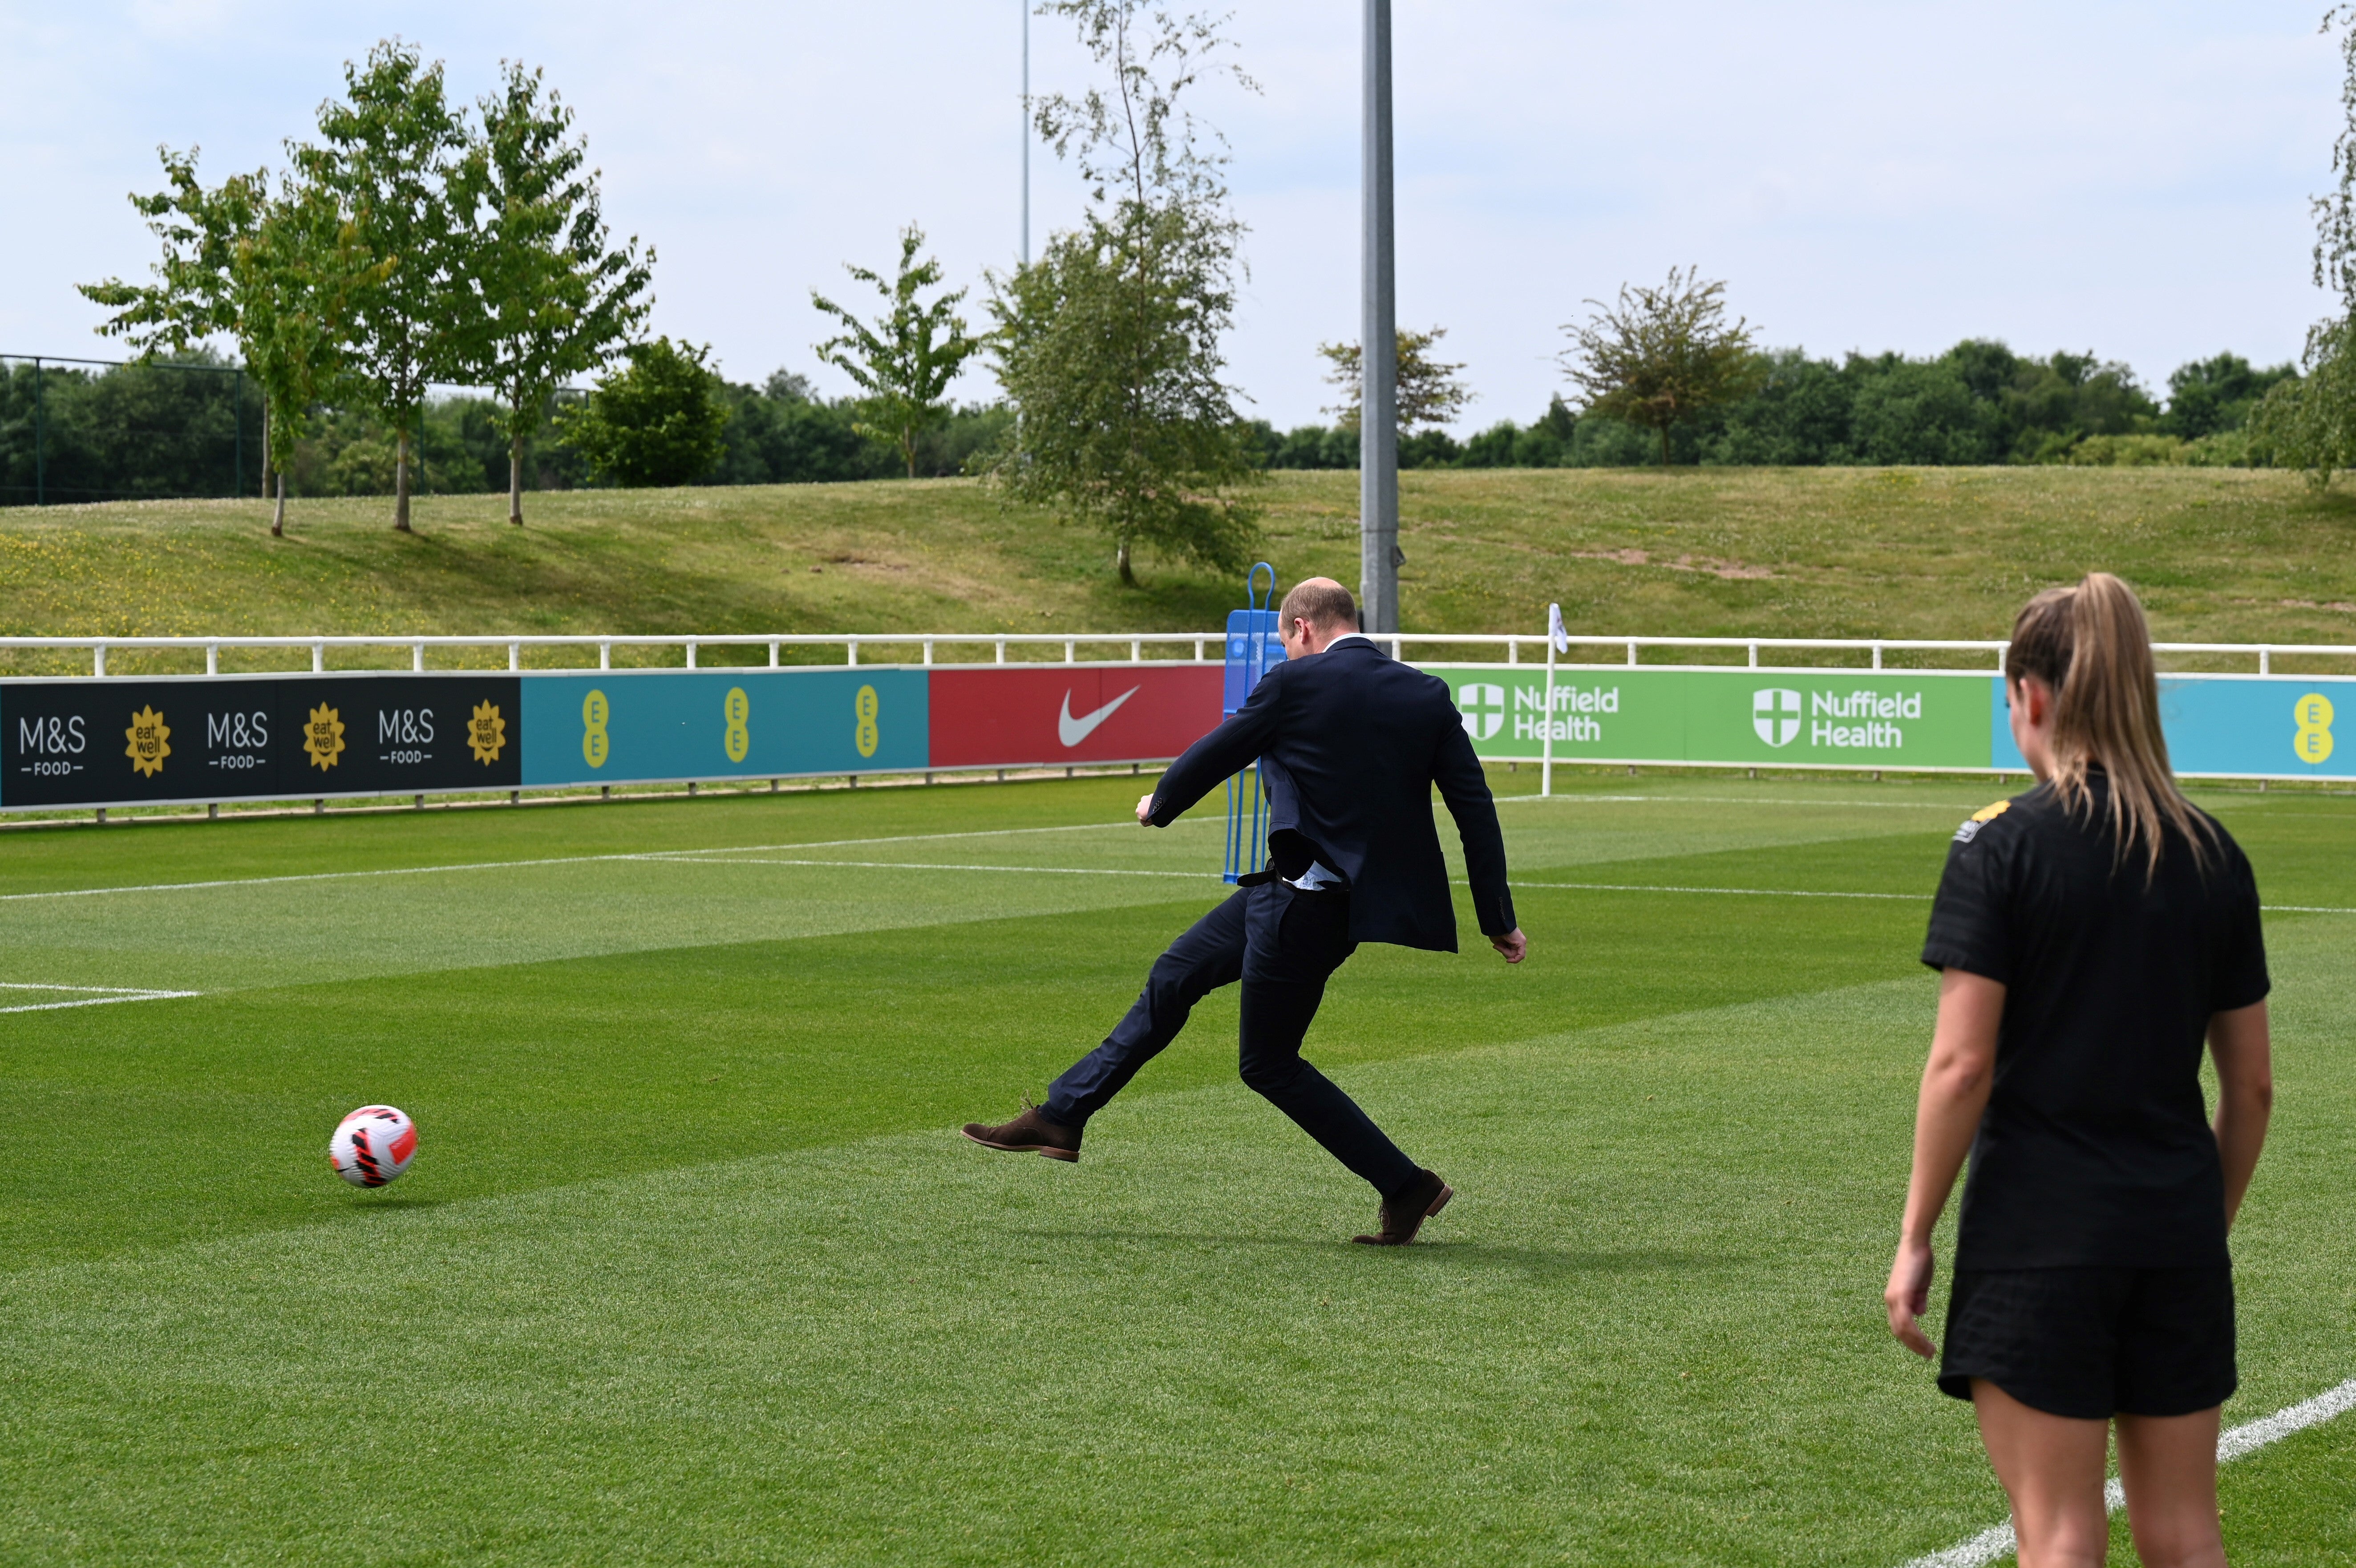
2093	1343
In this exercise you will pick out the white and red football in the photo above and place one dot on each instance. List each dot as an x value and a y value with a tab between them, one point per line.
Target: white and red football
372	1145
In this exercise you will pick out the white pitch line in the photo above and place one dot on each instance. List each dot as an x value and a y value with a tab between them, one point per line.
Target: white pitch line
1990	1544
1817	893
1735	892
697	857
927	866
1741	800
110	993
522	865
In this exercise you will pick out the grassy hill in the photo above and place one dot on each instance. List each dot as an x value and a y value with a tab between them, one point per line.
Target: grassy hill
2219	554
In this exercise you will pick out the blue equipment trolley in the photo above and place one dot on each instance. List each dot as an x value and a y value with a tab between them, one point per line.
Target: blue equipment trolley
1253	645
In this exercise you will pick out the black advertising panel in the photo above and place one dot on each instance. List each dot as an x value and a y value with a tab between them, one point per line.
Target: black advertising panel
71	742
131	742
397	735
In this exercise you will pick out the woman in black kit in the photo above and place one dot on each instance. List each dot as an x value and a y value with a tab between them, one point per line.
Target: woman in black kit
2091	934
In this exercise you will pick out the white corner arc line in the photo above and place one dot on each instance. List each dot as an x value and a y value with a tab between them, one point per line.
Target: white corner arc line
1990	1544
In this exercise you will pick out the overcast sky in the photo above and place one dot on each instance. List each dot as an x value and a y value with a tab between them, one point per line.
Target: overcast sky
2131	179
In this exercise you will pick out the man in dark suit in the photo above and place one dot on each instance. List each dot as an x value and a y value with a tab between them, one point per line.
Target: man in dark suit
1349	744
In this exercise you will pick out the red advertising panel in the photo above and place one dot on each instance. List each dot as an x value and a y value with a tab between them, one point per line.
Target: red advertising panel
1031	715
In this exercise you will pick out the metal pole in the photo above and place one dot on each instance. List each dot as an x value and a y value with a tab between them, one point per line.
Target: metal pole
1545	763
1026	132
237	452
40	492
1378	552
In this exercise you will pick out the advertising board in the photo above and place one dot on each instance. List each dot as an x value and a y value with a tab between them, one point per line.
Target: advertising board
1783	717
189	738
619	726
135	741
2273	726
1010	715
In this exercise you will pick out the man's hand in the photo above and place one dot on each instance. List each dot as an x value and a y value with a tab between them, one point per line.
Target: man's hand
1513	947
1145	811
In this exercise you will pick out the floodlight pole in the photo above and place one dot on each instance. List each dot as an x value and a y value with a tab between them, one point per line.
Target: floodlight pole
1378	552
1026	132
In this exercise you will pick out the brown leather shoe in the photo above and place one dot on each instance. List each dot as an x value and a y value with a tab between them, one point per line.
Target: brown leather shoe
1030	1132
1403	1215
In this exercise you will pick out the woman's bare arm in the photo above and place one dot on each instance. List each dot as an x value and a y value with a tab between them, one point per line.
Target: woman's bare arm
1956	1085
2241	1046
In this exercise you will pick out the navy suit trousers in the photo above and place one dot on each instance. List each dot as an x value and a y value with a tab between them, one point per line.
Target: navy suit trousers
1282	944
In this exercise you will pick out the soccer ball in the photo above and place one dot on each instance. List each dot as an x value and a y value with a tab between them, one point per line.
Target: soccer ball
372	1145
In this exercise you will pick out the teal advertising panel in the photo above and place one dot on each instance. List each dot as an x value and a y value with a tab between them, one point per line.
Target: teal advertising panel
2275	726
1785	717
618	726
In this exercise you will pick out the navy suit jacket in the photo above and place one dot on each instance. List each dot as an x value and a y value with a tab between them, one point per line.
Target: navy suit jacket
1350	743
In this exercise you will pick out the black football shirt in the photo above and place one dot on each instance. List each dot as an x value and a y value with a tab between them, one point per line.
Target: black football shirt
2096	1148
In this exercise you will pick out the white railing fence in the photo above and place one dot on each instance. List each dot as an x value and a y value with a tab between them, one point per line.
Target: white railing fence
1186	648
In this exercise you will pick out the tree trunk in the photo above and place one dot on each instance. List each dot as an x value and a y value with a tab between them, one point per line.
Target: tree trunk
908	449
401	481
515	471
278	517
1121	559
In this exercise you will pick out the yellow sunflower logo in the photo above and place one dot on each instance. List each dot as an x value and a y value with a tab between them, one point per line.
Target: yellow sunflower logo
487	733
151	742
322	737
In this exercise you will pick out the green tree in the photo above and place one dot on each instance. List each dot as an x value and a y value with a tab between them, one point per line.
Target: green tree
273	271
659	421
1662	356
297	273
904	362
553	299
390	160
1108	346
2210	396
2311	423
1429	394
193	294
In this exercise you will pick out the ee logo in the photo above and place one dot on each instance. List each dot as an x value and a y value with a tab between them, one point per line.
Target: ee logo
737	709
595	745
2312	714
866	735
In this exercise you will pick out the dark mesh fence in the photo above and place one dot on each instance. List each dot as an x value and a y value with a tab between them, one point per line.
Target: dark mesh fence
99	430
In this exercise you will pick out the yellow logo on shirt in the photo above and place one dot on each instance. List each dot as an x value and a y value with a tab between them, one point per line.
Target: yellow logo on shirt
1980	819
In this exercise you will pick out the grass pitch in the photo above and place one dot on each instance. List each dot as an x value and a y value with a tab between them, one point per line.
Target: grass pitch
693	1267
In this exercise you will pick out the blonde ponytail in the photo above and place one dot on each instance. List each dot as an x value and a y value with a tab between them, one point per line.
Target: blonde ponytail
2092	645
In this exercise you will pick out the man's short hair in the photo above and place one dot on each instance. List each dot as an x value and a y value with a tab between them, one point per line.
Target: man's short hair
1322	605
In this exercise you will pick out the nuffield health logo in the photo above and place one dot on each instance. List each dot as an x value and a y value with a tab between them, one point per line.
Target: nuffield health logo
1775	714
1484	708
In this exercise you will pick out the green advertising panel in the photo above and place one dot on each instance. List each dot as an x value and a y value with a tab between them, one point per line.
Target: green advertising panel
1831	718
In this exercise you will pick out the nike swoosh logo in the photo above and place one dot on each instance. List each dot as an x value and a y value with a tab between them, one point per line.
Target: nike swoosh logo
1072	731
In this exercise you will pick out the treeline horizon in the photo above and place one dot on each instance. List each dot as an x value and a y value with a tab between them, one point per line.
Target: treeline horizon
136	429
